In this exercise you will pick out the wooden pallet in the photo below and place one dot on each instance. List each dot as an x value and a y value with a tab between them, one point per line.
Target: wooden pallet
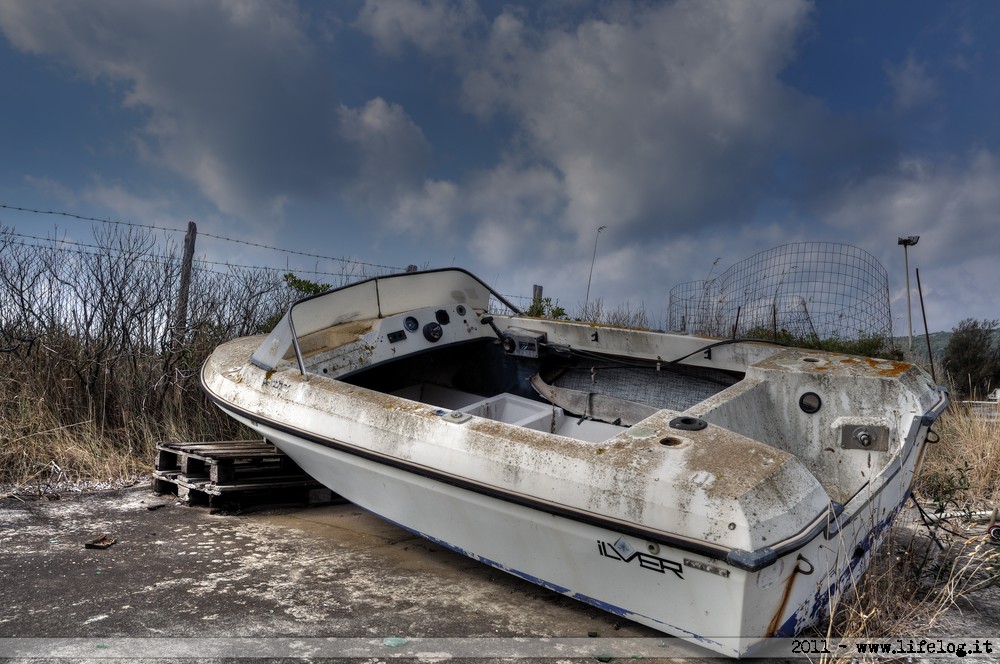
230	471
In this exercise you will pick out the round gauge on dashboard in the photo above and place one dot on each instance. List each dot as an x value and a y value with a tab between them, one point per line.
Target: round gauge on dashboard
411	324
433	331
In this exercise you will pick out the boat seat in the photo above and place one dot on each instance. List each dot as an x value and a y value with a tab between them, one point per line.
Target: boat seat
512	409
435	395
519	411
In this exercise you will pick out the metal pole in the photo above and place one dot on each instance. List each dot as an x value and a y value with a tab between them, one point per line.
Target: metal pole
909	313
927	333
593	260
908	242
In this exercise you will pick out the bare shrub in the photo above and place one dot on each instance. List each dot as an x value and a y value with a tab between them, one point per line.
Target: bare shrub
621	316
94	368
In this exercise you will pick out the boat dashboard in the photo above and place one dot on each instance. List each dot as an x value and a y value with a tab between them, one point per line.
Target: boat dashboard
427	328
348	347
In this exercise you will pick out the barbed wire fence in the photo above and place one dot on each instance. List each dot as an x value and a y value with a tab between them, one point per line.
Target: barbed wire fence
811	291
55	282
350	269
96	330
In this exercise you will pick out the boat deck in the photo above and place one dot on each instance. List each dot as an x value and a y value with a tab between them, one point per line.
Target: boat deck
512	409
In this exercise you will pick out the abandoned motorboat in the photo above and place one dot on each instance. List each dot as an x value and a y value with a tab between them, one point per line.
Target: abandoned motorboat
720	491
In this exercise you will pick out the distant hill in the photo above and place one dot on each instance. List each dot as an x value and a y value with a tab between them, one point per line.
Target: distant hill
939	341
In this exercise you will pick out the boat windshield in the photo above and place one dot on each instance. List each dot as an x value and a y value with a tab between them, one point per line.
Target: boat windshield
374	298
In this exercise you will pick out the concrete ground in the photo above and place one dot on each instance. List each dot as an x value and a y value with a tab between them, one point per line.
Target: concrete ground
322	583
278	579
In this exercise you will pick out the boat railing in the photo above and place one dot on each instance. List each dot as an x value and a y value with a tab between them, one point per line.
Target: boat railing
295	341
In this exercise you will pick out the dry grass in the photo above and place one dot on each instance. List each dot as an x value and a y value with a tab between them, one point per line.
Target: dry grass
41	449
58	430
965	466
621	316
918	577
913	583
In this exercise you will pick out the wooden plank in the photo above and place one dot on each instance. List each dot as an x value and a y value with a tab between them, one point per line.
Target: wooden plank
163	484
217	453
203	470
220	445
182	445
208	451
185	487
269	484
177	443
222	472
191	465
203	448
165	460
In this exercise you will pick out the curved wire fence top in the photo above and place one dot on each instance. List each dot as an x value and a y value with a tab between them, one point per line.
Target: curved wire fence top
806	290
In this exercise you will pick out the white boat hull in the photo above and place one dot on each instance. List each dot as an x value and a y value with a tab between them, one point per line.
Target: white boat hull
703	533
721	608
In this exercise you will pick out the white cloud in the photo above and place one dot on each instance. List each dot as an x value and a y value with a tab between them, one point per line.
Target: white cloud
52	188
952	205
128	206
658	120
664	122
957	198
655	117
233	94
912	86
434	208
504	214
672	123
391	150
432	26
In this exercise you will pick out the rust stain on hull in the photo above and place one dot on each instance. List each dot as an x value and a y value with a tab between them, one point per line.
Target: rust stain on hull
887	368
775	624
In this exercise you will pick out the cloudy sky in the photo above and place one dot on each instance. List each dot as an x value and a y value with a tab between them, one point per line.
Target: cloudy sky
499	136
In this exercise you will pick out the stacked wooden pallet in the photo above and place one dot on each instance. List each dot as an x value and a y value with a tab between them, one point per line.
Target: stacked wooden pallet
230	471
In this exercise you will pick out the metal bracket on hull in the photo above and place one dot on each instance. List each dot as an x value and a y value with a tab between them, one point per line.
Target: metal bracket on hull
864	437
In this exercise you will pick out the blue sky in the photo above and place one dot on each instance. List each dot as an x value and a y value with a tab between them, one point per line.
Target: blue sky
498	136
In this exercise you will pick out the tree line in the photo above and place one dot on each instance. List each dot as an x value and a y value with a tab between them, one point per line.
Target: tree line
972	358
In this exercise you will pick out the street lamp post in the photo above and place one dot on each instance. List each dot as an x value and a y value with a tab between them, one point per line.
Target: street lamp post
586	302
907	242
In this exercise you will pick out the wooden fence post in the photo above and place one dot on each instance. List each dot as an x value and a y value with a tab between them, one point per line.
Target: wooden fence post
180	325
180	322
536	297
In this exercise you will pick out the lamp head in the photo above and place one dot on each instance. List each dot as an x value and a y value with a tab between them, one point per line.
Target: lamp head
908	241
